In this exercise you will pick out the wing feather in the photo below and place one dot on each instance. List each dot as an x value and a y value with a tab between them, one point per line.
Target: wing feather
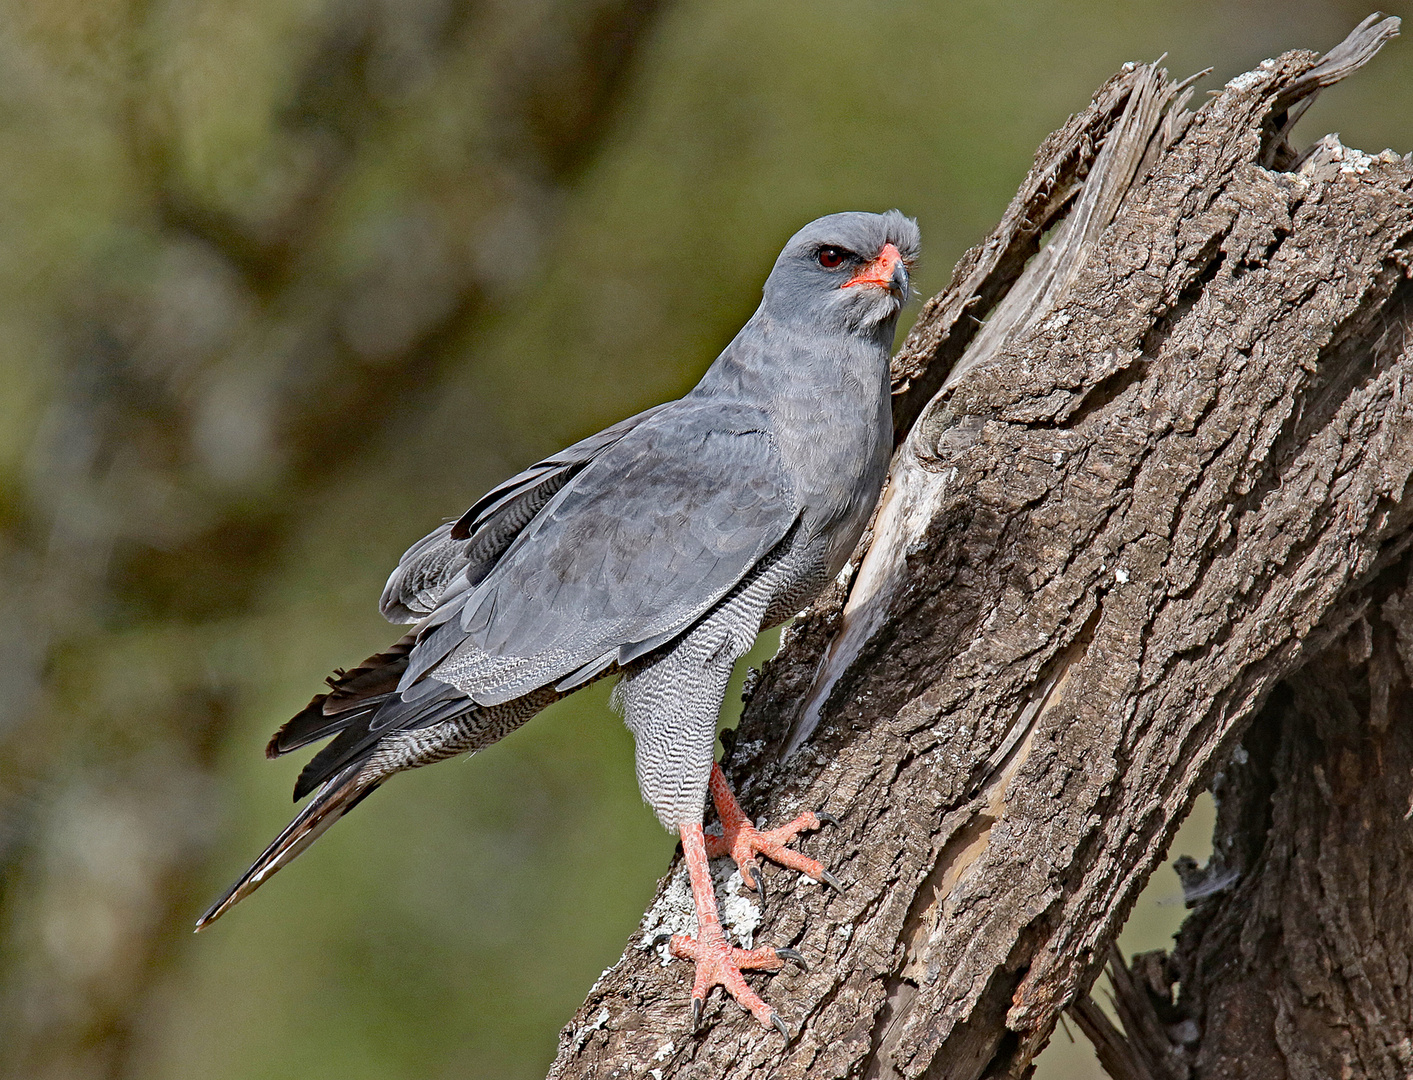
470	546
626	555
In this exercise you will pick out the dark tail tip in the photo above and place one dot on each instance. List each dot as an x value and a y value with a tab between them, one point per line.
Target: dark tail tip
337	797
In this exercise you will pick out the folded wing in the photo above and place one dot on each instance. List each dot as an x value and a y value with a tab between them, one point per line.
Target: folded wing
468	548
630	551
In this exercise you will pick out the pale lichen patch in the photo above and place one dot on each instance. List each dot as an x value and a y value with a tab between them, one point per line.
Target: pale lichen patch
1245	81
675	913
581	1035
739	913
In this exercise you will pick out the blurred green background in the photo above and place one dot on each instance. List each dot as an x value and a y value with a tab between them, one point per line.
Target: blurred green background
285	283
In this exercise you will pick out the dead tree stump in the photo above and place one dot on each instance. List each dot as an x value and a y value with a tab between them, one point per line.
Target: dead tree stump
1148	527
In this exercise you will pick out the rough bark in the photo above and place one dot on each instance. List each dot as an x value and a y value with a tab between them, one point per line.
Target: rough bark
1150	489
205	397
1296	961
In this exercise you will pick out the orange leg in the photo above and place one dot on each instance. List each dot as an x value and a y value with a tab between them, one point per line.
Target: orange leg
743	841
719	964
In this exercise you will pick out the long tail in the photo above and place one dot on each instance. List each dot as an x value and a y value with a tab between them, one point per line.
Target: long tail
340	794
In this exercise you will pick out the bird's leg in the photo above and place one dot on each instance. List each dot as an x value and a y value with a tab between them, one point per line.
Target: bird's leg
718	963
743	841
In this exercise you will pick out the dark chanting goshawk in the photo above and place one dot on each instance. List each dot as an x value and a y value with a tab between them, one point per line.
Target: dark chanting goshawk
656	551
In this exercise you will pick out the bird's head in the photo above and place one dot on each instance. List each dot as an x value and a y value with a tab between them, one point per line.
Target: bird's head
846	271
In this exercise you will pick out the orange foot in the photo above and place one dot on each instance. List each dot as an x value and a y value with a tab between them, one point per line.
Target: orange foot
719	964
743	841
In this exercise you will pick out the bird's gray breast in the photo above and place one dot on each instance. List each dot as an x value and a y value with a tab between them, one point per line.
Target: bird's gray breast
835	436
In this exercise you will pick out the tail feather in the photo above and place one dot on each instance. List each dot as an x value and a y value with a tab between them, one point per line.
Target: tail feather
337	797
360	733
361	708
351	695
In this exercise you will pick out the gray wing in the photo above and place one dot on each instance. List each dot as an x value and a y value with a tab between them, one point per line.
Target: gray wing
471	545
630	552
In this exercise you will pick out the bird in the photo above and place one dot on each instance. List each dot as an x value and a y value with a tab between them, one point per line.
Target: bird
654	551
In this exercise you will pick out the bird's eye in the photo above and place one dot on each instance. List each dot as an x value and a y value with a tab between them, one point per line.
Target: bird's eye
831	257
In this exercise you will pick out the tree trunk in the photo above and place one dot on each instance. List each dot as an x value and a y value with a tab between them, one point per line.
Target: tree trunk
1145	506
1296	962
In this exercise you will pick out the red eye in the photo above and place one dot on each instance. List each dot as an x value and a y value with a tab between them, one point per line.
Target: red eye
830	257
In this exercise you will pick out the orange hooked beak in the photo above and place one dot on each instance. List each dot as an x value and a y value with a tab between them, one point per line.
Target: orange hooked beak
882	271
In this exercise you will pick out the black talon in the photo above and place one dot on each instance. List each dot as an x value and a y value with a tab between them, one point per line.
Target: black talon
759	887
696	1014
792	954
780	1025
662	939
826	818
832	881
